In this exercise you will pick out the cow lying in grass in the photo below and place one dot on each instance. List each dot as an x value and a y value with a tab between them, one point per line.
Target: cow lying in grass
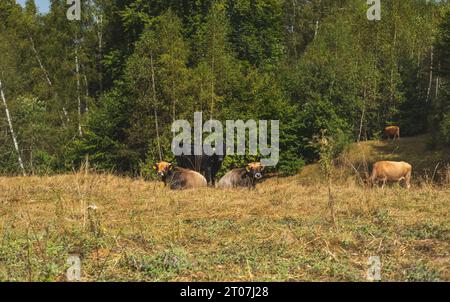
242	177
178	178
391	171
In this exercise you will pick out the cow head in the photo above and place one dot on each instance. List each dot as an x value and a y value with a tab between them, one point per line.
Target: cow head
163	168
255	170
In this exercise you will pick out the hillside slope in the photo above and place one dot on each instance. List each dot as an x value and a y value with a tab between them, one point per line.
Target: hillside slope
428	165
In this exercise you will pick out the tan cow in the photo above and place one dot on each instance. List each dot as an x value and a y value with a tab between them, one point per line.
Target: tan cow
178	178
392	131
242	177
391	171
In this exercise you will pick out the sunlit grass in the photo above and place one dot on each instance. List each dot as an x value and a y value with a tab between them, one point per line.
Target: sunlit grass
131	229
280	231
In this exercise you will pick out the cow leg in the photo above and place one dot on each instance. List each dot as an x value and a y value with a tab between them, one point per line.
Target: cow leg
408	180
384	183
376	182
214	171
213	179
399	180
209	177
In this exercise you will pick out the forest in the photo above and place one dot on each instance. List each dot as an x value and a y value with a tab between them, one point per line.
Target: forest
105	89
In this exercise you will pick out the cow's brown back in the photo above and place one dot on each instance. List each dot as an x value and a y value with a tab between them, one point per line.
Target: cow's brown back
186	179
194	179
392	131
235	178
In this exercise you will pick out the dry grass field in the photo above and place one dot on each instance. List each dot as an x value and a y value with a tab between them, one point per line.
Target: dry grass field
127	229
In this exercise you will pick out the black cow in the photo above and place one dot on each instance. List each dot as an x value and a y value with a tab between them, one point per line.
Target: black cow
207	165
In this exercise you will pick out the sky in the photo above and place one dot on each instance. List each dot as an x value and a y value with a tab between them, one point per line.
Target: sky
43	5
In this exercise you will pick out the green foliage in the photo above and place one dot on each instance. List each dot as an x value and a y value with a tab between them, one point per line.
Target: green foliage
325	146
427	230
102	142
162	266
440	114
312	65
18	262
421	273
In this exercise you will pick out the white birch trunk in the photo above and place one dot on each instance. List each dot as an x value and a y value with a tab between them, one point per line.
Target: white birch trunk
213	77
212	88
87	92
437	80
100	51
77	70
362	117
394	44
66	114
45	72
294	15
431	74
13	134
294	18
38	59
174	102
316	30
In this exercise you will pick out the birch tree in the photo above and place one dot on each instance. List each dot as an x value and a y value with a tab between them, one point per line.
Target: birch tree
430	82
217	56
77	73
11	129
155	107
142	79
172	61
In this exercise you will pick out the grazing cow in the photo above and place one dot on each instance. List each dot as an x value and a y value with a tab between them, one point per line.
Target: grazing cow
242	177
391	171
179	178
207	165
393	131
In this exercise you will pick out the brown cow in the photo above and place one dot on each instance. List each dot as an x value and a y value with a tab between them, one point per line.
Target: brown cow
393	131
242	177
391	171
179	178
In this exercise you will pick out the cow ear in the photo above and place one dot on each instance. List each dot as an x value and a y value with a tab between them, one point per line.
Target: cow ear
262	168
170	167
155	167
247	168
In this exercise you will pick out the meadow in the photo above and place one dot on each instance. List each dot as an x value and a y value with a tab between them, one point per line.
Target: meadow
128	229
